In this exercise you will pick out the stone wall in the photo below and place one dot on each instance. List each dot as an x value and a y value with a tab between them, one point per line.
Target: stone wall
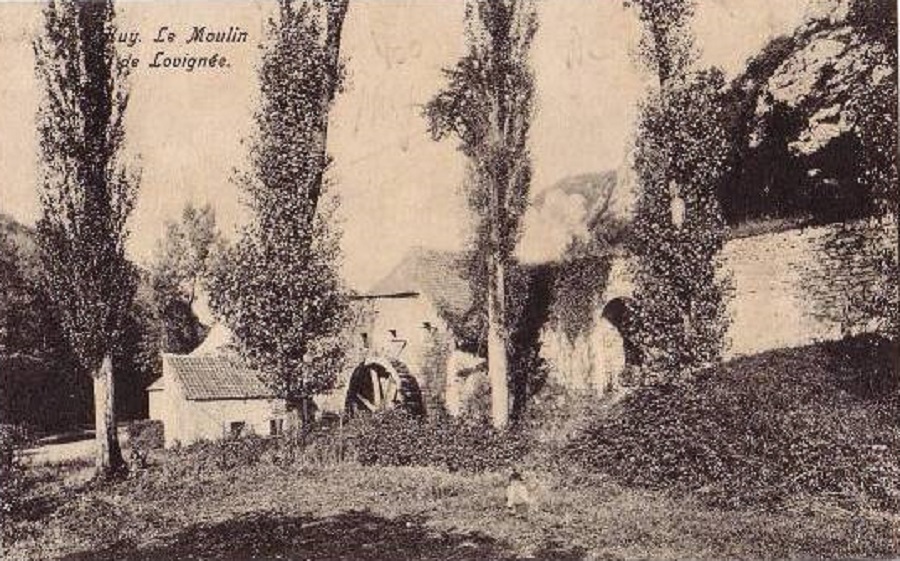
408	329
790	288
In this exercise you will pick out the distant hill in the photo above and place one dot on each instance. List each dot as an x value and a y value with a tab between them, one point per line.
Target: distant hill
23	238
576	209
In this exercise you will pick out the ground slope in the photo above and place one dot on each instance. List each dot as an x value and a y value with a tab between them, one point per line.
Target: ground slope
822	420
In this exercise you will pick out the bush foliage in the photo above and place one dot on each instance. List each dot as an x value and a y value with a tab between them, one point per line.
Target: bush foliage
763	429
144	435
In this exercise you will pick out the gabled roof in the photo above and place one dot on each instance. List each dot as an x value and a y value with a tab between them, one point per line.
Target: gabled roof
438	275
212	377
157	385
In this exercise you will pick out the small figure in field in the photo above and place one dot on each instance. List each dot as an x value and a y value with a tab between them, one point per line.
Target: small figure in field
518	499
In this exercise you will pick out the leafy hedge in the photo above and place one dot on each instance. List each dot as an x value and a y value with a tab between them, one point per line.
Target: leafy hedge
394	438
146	434
391	438
228	453
817	420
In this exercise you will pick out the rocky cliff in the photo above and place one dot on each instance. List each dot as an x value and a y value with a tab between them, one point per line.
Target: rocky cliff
797	113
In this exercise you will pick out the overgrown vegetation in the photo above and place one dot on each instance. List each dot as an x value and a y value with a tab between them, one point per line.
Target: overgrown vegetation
678	227
144	436
394	438
487	105
763	430
384	438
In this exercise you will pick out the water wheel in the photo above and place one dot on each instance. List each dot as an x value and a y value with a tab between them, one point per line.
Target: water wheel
377	387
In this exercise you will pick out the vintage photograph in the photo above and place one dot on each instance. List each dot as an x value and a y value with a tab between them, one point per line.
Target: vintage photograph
449	280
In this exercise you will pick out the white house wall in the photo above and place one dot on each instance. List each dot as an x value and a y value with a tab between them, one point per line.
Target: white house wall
157	404
212	419
186	421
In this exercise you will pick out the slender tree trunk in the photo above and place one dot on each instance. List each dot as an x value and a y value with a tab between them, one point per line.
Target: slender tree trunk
304	412
496	340
108	460
292	430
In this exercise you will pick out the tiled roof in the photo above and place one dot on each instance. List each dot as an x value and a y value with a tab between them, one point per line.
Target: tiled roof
436	274
211	377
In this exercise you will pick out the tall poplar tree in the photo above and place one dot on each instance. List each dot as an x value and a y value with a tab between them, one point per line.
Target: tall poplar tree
279	289
678	229
87	193
488	104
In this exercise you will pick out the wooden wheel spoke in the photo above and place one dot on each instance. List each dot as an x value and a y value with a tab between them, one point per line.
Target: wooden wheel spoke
369	405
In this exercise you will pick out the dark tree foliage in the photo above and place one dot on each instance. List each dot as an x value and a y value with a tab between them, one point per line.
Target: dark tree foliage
487	105
86	191
875	107
877	19
20	313
41	384
87	194
139	356
278	288
761	173
678	228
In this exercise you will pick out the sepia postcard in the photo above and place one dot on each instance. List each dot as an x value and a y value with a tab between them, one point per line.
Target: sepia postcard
449	279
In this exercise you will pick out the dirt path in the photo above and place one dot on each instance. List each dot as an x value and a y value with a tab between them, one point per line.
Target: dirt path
65	448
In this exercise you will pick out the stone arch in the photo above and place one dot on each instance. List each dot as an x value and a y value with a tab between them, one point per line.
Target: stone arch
620	283
621	313
378	384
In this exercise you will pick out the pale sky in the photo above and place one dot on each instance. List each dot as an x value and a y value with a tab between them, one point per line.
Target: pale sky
398	188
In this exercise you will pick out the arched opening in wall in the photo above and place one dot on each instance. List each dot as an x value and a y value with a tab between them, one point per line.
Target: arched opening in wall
621	312
375	386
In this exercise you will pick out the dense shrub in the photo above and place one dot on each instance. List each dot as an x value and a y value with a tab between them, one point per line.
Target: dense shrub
13	482
397	439
143	436
223	454
820	420
146	433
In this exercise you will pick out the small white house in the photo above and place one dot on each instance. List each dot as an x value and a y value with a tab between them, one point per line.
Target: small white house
210	396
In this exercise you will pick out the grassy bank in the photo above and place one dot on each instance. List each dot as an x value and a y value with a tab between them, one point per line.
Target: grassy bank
818	421
354	512
790	454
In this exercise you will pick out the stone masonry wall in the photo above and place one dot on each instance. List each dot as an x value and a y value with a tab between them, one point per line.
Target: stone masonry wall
790	289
